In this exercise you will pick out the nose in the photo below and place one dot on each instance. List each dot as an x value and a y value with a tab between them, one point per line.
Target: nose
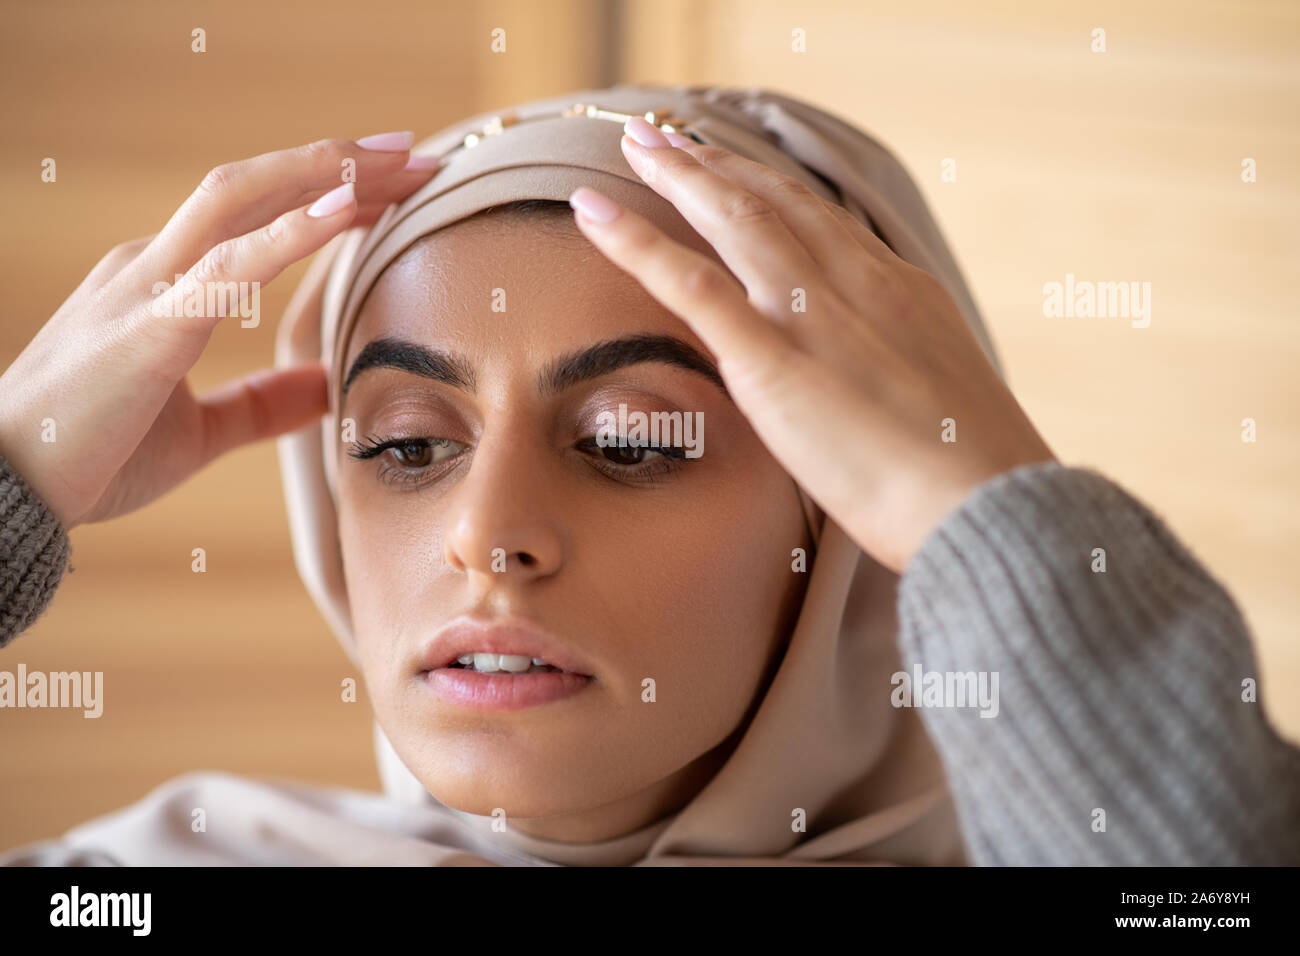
501	521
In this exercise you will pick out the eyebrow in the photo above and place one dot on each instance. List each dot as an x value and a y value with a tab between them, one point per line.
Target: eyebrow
558	375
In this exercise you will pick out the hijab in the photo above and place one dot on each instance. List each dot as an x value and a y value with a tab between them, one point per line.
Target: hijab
827	771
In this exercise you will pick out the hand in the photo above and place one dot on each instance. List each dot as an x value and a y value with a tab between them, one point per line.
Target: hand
848	395
105	376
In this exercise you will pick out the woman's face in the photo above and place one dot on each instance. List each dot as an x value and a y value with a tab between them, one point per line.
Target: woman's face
669	578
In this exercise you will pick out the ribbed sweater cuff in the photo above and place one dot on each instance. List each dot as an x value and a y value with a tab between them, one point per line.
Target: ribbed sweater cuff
1120	691
34	550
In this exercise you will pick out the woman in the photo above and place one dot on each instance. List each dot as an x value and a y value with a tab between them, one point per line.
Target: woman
855	615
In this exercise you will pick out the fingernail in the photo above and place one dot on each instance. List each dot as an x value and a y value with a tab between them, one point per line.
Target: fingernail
422	162
594	206
644	133
332	201
677	139
388	142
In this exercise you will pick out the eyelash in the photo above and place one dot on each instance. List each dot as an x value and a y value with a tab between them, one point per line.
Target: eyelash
669	460
393	473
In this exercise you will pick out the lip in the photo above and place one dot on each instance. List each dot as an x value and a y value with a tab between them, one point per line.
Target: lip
500	691
466	635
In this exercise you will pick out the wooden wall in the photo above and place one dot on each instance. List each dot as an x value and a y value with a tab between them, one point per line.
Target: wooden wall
1123	165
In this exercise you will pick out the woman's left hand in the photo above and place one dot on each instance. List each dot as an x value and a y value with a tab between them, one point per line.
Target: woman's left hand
852	394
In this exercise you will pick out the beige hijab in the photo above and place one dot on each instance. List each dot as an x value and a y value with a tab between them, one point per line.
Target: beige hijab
825	746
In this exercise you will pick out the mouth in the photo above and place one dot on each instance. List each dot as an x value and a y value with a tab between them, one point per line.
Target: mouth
501	665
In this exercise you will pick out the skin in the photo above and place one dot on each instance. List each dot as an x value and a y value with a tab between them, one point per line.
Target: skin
686	579
139	430
852	395
848	398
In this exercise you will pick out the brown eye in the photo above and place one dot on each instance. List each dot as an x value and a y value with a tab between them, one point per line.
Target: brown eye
626	454
413	454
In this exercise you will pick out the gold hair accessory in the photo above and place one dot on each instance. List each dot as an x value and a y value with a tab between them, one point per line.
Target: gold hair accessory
664	119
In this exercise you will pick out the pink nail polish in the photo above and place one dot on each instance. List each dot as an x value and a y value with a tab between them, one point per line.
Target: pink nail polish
333	201
677	139
644	133
422	163
594	206
388	142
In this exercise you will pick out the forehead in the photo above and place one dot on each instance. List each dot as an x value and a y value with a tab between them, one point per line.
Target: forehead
504	282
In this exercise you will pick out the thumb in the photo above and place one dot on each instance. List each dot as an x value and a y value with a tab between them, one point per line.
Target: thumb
261	405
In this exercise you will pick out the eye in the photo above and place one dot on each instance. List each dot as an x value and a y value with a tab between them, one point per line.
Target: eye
410	461
630	454
416	453
634	463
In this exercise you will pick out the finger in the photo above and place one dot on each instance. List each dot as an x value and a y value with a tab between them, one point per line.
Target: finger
233	271
239	197
686	282
852	269
300	325
264	404
733	166
391	188
368	213
862	234
745	230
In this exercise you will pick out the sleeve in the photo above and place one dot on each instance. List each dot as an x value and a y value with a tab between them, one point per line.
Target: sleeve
34	551
1125	724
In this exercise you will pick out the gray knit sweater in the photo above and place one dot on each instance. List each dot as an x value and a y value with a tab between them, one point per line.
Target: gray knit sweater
1123	732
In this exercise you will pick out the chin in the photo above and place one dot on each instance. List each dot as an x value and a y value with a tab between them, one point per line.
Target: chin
524	794
478	771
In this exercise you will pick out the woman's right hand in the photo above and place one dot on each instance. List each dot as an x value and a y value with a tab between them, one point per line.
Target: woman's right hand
104	378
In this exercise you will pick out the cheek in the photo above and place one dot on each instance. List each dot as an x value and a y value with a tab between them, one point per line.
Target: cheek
388	560
701	604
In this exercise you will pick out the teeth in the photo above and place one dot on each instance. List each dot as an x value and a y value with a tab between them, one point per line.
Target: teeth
511	663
